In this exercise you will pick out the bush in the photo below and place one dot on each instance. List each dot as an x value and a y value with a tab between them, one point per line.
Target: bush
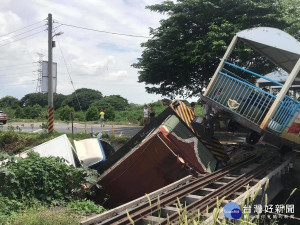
9	140
92	114
36	111
19	113
65	113
84	207
7	206
79	116
46	179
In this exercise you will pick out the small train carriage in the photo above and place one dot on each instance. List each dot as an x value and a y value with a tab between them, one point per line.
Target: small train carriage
273	118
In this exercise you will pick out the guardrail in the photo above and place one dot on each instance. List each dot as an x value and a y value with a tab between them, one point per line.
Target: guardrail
248	101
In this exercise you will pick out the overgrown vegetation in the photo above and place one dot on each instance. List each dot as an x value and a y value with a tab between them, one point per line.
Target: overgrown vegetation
34	189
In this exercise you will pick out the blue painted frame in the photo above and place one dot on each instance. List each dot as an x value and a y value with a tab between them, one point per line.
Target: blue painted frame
253	99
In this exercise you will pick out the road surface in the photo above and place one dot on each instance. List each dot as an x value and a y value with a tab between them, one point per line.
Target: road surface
61	127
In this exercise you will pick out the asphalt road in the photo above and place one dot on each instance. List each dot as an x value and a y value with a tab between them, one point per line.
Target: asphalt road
78	128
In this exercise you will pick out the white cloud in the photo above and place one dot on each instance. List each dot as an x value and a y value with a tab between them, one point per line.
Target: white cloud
94	60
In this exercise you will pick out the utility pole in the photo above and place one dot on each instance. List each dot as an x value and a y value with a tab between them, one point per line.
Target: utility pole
50	78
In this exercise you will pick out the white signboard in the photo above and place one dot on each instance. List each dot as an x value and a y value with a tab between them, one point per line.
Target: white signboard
45	76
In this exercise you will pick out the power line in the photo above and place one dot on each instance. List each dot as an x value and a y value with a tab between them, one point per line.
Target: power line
22	28
28	82
22	33
69	76
16	74
22	38
103	31
17	65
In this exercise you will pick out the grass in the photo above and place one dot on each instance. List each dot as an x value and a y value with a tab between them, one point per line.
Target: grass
45	216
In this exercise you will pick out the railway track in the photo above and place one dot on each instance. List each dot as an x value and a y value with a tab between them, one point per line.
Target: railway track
198	194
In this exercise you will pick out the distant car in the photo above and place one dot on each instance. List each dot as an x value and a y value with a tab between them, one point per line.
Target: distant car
3	117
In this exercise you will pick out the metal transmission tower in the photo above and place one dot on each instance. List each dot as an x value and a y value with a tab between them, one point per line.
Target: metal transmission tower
40	73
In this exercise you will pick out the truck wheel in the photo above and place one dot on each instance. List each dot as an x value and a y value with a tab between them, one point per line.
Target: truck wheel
4	122
252	138
232	126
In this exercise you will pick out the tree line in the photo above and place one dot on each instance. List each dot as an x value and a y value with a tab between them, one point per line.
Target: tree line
84	103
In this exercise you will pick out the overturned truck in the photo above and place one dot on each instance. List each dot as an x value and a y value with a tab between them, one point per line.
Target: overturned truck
164	151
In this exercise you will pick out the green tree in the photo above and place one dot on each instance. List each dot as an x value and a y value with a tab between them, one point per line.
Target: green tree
9	101
36	111
42	99
109	113
92	114
292	15
19	113
186	48
65	113
34	98
85	97
27	111
58	100
116	101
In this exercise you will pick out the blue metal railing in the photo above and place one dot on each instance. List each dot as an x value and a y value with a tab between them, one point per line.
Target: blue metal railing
248	101
283	115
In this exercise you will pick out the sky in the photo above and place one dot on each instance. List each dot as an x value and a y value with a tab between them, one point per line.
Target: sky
93	60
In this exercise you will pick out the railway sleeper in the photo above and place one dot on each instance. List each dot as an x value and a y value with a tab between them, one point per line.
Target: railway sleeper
148	220
165	211
241	181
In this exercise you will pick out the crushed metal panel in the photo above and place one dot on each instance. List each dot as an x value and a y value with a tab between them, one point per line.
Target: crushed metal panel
178	132
57	147
167	154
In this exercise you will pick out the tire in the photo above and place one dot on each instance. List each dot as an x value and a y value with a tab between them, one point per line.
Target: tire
232	126
4	122
252	138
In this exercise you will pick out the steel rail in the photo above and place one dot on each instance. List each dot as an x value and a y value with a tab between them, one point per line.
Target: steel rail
209	200
145	209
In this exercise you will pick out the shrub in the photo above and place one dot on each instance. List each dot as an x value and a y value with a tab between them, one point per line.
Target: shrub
46	179
84	207
64	113
27	111
91	114
7	206
9	140
19	113
79	116
109	113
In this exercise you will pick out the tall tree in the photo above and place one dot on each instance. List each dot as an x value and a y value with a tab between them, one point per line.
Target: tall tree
9	101
187	46
84	97
116	101
42	99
